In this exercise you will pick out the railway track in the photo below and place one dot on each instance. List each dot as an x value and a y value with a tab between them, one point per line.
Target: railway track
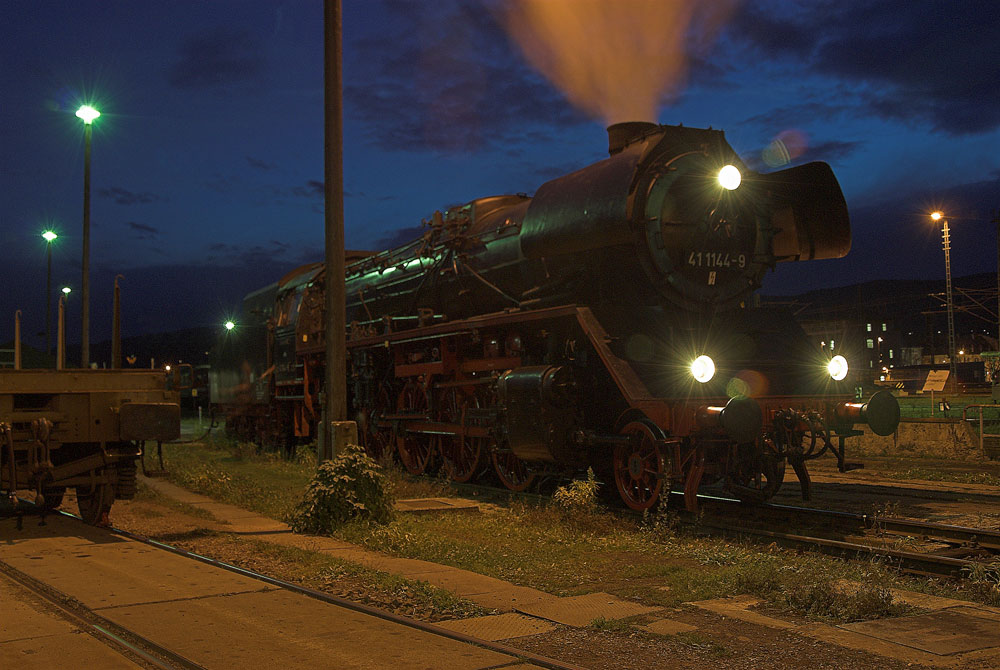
960	548
127	643
149	654
872	537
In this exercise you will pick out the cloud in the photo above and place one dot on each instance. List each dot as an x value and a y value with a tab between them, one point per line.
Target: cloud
259	164
452	82
312	189
916	61
124	197
831	151
262	255
145	232
400	237
217	57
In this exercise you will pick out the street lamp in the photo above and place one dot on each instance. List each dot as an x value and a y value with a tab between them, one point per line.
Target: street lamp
48	236
87	114
946	245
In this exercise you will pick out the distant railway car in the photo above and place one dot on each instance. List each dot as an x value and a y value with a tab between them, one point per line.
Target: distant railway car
608	322
81	429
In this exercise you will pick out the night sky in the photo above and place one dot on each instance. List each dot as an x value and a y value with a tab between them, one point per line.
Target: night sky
208	157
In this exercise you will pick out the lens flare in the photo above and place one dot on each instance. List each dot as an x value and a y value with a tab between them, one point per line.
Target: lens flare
837	367
703	369
730	177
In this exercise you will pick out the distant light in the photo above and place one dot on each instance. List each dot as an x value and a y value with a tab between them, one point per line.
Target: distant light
67	290
936	216
961	352
49	235
730	177
167	368
703	369
88	114
230	325
837	367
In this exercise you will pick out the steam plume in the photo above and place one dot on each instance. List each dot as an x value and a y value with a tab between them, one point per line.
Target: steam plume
615	59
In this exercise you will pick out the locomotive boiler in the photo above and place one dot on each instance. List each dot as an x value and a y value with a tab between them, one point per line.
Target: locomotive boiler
608	321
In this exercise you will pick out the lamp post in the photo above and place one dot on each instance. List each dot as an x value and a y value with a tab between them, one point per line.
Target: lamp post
946	245
49	237
87	114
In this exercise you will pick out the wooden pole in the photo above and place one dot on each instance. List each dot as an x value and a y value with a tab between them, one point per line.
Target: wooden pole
17	340
336	367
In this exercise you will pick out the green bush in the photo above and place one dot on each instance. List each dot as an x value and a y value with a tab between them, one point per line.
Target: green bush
349	487
578	495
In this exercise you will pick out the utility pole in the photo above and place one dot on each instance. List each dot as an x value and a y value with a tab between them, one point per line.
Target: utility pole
996	221
336	362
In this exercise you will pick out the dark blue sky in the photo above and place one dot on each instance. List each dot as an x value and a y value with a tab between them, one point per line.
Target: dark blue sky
208	156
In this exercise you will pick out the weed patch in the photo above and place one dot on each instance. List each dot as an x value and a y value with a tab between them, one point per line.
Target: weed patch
349	487
610	625
579	496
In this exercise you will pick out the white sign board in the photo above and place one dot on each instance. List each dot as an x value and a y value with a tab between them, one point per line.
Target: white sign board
936	379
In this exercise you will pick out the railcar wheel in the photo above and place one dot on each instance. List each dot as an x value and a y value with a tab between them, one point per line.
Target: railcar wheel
94	503
53	496
460	454
638	466
514	473
415	449
757	475
378	439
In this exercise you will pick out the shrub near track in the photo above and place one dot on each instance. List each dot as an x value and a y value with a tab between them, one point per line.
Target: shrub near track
569	552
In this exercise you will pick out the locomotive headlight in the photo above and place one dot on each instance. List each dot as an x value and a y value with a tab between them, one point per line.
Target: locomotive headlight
730	177
703	369
837	367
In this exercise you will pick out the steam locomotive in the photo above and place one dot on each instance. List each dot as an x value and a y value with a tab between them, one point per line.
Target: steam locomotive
608	321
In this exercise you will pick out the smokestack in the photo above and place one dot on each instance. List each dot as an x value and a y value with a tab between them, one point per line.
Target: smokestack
620	135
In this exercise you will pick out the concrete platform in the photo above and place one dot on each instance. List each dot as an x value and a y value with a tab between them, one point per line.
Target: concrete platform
499	626
429	505
583	610
945	632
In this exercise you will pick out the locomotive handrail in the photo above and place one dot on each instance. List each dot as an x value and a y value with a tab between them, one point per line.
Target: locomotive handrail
465	325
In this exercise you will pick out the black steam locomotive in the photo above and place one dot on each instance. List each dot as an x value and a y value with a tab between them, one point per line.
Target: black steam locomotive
606	322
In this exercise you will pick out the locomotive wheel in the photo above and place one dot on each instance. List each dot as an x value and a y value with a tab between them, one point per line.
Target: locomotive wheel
378	439
639	469
415	449
460	455
95	503
514	473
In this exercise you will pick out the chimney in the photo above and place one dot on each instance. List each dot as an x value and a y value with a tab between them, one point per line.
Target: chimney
620	135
